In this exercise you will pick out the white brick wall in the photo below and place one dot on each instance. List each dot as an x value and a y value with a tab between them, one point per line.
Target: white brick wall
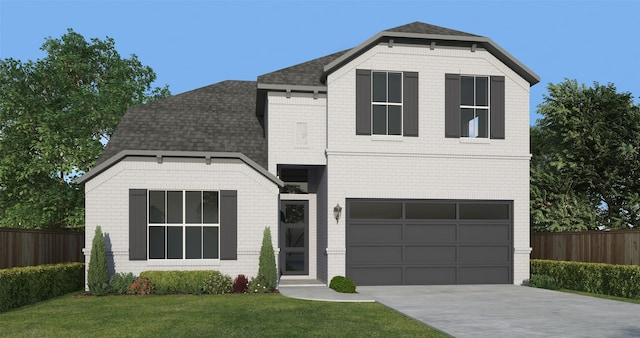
297	129
429	166
107	205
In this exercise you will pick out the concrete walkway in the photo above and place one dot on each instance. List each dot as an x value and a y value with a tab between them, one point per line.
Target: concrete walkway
494	310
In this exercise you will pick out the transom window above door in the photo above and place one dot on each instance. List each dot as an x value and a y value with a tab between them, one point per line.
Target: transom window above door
386	109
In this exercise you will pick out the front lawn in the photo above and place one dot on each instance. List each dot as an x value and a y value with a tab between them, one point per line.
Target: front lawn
267	315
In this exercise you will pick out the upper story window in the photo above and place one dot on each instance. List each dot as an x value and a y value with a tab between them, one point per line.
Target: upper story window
386	103
183	224
474	106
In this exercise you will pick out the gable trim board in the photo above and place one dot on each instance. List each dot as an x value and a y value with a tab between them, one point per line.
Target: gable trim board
158	154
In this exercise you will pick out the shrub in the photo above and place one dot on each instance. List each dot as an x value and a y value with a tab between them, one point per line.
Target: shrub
168	282
240	284
218	283
120	282
267	273
258	285
606	279
342	284
543	282
142	286
98	274
27	285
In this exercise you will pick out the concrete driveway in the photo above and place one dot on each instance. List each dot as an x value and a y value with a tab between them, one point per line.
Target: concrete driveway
509	311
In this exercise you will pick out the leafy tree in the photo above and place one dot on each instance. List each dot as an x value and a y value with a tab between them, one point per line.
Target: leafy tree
98	271
585	170
55	115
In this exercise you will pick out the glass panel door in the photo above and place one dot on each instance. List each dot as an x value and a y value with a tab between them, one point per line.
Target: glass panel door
294	237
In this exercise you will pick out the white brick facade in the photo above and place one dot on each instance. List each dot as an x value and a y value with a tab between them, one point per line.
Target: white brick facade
107	204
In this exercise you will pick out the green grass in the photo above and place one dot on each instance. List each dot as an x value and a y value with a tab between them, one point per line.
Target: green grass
597	295
267	315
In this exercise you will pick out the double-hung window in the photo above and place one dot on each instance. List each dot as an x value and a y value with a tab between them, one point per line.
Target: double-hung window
474	106
386	105
183	224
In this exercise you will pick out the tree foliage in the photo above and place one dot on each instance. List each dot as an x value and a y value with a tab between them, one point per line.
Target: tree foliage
585	170
55	115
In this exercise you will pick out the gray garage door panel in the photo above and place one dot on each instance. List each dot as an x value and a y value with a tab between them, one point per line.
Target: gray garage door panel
429	232
418	242
379	254
430	275
377	275
484	233
484	275
364	233
430	254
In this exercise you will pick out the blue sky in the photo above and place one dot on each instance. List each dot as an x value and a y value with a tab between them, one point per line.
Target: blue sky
191	44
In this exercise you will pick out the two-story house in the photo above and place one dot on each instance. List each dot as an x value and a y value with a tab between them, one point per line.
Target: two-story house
404	160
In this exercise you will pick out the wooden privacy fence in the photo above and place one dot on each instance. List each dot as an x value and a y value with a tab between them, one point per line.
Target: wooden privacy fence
21	247
612	247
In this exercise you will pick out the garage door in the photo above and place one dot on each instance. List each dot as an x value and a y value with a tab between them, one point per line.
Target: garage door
413	242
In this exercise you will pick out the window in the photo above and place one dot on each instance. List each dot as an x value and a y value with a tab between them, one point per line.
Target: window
474	106
386	105
183	224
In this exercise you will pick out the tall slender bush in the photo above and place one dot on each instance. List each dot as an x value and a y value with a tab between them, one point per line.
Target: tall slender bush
267	274
98	274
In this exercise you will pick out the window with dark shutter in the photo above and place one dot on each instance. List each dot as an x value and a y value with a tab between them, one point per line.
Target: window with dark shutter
363	102
137	224
228	224
497	107
410	104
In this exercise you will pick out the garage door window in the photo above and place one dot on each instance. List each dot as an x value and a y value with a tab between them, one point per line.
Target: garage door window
430	210
379	210
484	211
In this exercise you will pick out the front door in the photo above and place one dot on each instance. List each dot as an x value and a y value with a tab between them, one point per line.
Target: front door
294	237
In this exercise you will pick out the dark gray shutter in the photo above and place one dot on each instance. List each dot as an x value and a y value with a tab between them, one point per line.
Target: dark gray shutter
228	224
410	104
452	105
497	107
363	102
137	224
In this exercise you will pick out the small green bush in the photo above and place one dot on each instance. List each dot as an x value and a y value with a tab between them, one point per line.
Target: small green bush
267	273
606	279
218	283
543	282
258	285
142	286
98	274
168	282
120	282
342	284
27	285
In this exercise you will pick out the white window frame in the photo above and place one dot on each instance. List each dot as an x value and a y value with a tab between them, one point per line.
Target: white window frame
183	225
475	106
387	104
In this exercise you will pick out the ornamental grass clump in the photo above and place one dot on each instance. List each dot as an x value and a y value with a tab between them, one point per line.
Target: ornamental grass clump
98	274
120	282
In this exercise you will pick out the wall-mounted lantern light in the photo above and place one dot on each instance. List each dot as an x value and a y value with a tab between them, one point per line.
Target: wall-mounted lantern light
337	211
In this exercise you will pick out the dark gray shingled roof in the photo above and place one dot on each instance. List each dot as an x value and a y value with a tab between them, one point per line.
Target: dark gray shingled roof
311	73
216	118
424	28
304	74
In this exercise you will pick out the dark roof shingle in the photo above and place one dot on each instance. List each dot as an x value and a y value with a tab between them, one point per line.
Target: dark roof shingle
304	74
425	28
216	118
